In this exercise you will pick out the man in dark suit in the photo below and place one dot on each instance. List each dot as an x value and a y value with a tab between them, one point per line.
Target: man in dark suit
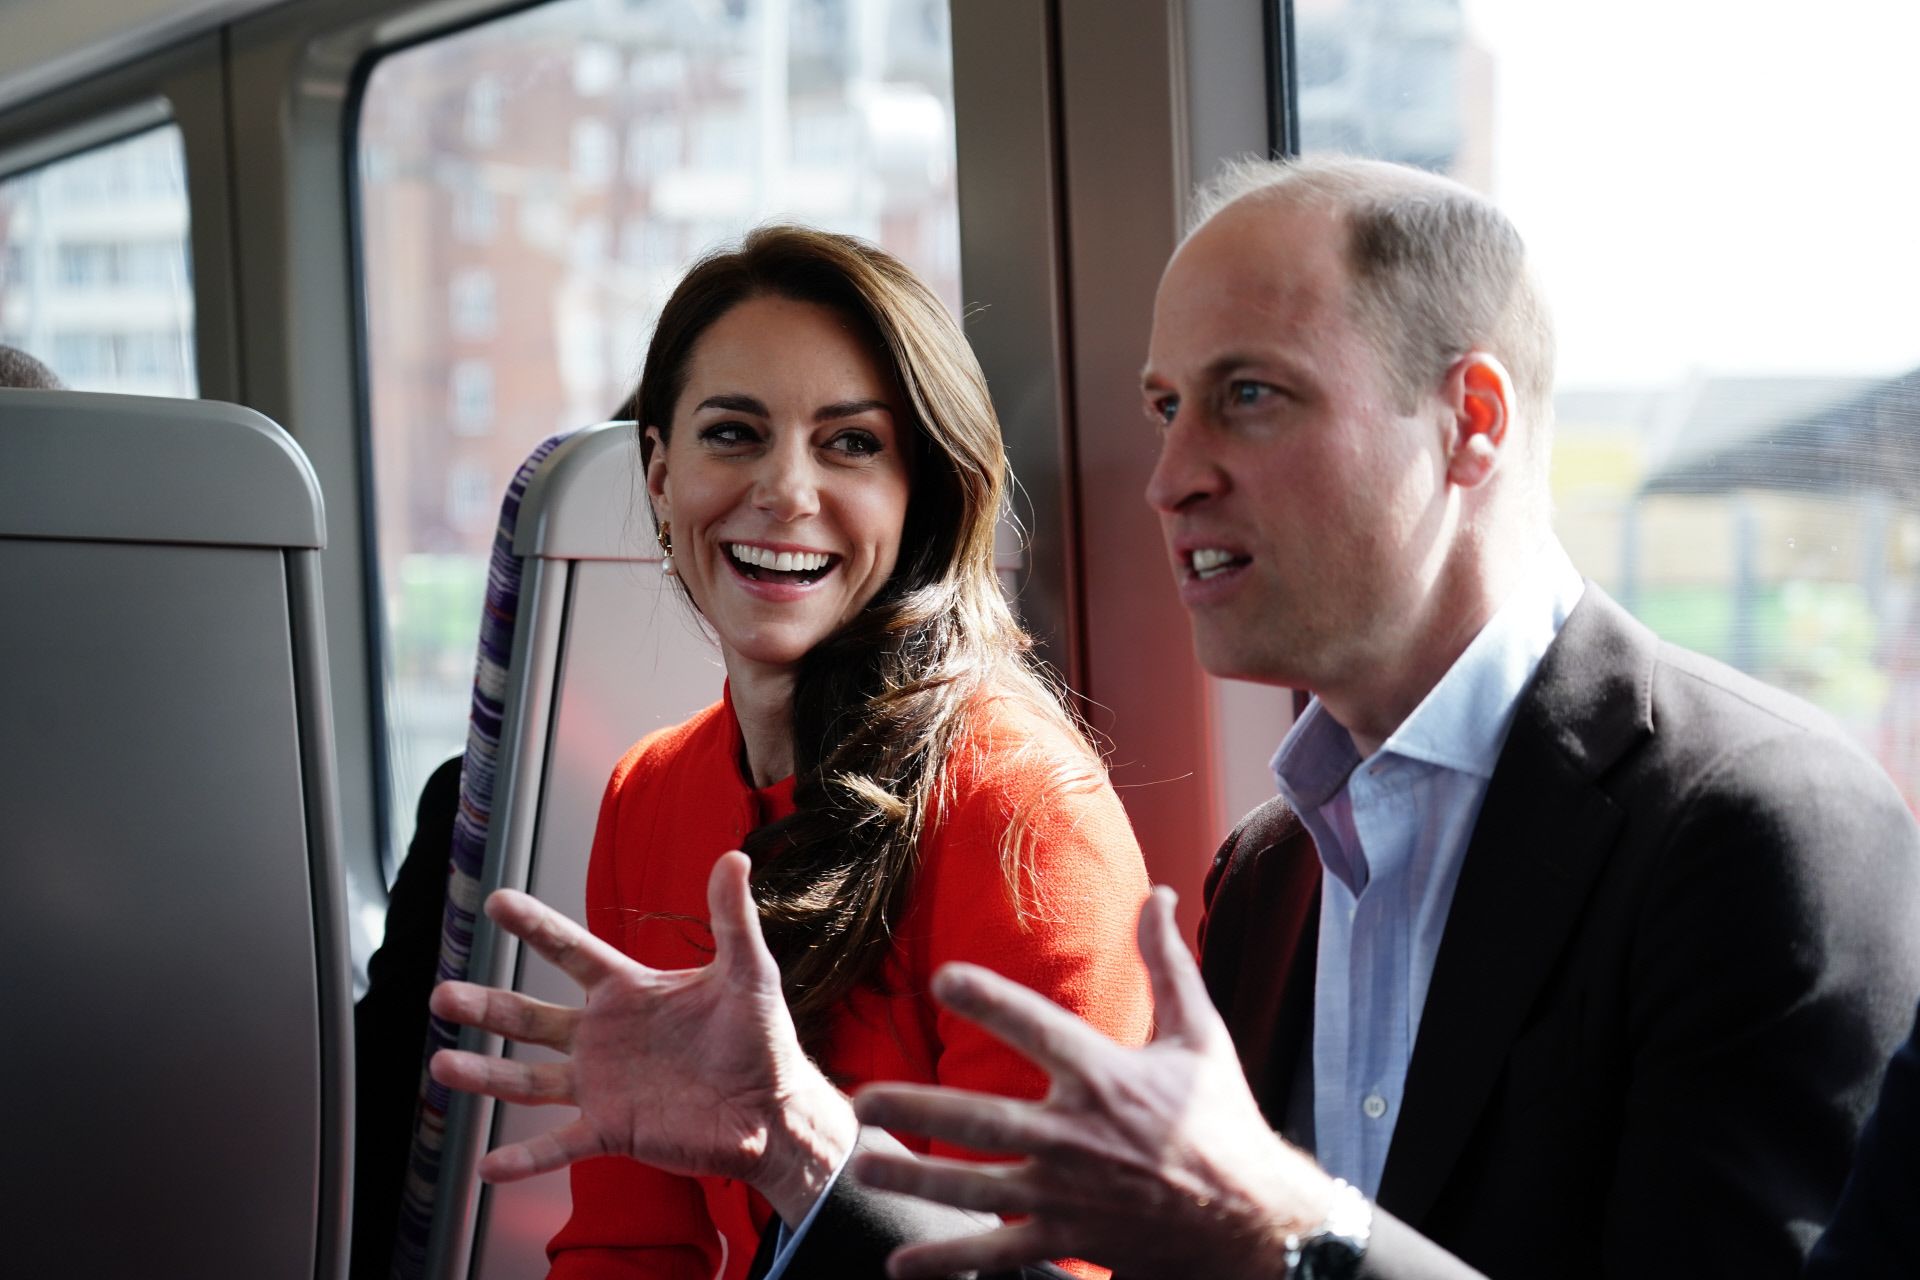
1681	924
1570	952
1565	953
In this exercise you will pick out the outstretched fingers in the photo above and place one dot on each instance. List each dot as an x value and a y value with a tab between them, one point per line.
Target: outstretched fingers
737	940
530	1084
1182	1010
1060	1043
999	1250
981	1121
554	1149
505	1013
964	1184
577	953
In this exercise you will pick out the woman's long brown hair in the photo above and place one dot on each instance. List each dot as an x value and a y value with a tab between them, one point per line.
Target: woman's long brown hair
880	705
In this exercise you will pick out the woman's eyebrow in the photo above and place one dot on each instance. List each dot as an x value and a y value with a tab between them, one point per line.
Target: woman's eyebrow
849	409
733	402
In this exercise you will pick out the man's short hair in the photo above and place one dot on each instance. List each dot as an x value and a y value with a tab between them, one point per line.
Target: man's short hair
22	372
1438	271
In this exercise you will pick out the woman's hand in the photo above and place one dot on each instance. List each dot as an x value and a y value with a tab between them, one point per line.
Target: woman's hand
696	1071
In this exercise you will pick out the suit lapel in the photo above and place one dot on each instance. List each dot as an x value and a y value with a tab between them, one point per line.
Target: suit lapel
1274	1053
1544	832
1258	948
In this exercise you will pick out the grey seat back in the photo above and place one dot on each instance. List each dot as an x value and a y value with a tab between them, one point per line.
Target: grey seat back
175	974
604	651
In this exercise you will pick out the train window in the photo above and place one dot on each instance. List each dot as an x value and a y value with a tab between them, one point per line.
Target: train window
531	189
1723	226
96	278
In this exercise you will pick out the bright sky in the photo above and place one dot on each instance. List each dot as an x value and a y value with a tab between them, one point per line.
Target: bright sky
1708	183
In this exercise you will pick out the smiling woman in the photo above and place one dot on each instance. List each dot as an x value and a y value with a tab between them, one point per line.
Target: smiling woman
826	472
784	490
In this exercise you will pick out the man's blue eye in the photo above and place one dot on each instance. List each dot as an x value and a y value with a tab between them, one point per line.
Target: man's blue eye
1246	393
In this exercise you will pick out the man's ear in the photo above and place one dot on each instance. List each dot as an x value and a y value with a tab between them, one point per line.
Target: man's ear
655	450
1480	395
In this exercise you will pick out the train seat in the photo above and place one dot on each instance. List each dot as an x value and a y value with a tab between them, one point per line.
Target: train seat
472	819
585	647
177	979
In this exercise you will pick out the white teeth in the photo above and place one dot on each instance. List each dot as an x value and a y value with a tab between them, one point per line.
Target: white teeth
1208	561
778	561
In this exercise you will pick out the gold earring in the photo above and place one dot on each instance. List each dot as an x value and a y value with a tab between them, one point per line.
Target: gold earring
664	535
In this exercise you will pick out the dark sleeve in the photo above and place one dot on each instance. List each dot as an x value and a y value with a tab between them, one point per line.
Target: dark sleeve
1875	1234
1773	968
390	1024
858	1227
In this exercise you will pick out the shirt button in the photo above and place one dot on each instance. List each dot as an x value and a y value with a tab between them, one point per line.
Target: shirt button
1375	1106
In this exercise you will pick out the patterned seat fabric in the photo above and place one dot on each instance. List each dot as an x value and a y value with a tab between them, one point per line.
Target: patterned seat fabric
470	828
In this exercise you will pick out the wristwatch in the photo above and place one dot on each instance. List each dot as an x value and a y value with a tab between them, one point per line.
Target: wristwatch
1333	1250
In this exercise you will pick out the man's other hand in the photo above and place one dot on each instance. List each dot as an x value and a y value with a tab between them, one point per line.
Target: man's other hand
1155	1161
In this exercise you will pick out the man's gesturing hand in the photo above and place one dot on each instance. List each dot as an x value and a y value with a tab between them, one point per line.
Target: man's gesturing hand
1155	1161
694	1070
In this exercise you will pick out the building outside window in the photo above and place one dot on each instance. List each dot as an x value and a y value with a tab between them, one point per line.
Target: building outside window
472	398
471	502
96	277
476	213
484	102
594	152
470	302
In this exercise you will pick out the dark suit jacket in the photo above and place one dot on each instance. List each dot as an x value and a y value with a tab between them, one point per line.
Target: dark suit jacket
1875	1234
1681	946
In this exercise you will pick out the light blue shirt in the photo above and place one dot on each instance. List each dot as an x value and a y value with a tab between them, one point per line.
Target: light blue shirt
1392	831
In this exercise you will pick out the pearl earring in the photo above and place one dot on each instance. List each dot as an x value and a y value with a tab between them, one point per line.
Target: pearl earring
665	538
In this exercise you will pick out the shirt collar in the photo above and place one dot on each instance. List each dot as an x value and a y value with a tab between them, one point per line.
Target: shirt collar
1462	722
1314	759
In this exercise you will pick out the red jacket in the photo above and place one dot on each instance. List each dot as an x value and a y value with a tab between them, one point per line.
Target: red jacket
677	801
